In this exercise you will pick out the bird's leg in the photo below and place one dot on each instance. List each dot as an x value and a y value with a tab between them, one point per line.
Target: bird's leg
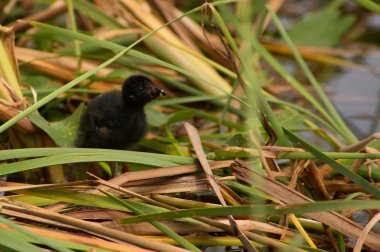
114	169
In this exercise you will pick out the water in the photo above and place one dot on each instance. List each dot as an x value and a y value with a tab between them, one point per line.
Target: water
356	95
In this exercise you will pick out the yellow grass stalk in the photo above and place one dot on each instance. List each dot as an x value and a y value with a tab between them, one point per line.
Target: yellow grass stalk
9	75
302	231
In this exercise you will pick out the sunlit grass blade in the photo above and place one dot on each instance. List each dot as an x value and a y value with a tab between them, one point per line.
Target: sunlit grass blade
331	155
42	152
258	210
84	157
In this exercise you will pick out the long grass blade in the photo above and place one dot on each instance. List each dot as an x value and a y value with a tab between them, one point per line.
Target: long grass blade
329	205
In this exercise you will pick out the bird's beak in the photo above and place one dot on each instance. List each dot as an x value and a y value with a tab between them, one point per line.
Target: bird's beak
162	92
158	92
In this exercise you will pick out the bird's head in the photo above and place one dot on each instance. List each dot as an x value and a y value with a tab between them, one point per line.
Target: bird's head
139	90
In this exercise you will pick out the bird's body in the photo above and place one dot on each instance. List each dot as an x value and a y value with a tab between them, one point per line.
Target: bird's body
107	123
116	120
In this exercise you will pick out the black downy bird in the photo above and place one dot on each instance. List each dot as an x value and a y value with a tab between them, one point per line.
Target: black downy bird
116	119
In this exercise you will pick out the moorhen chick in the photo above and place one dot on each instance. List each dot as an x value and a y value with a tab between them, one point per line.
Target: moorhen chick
116	119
